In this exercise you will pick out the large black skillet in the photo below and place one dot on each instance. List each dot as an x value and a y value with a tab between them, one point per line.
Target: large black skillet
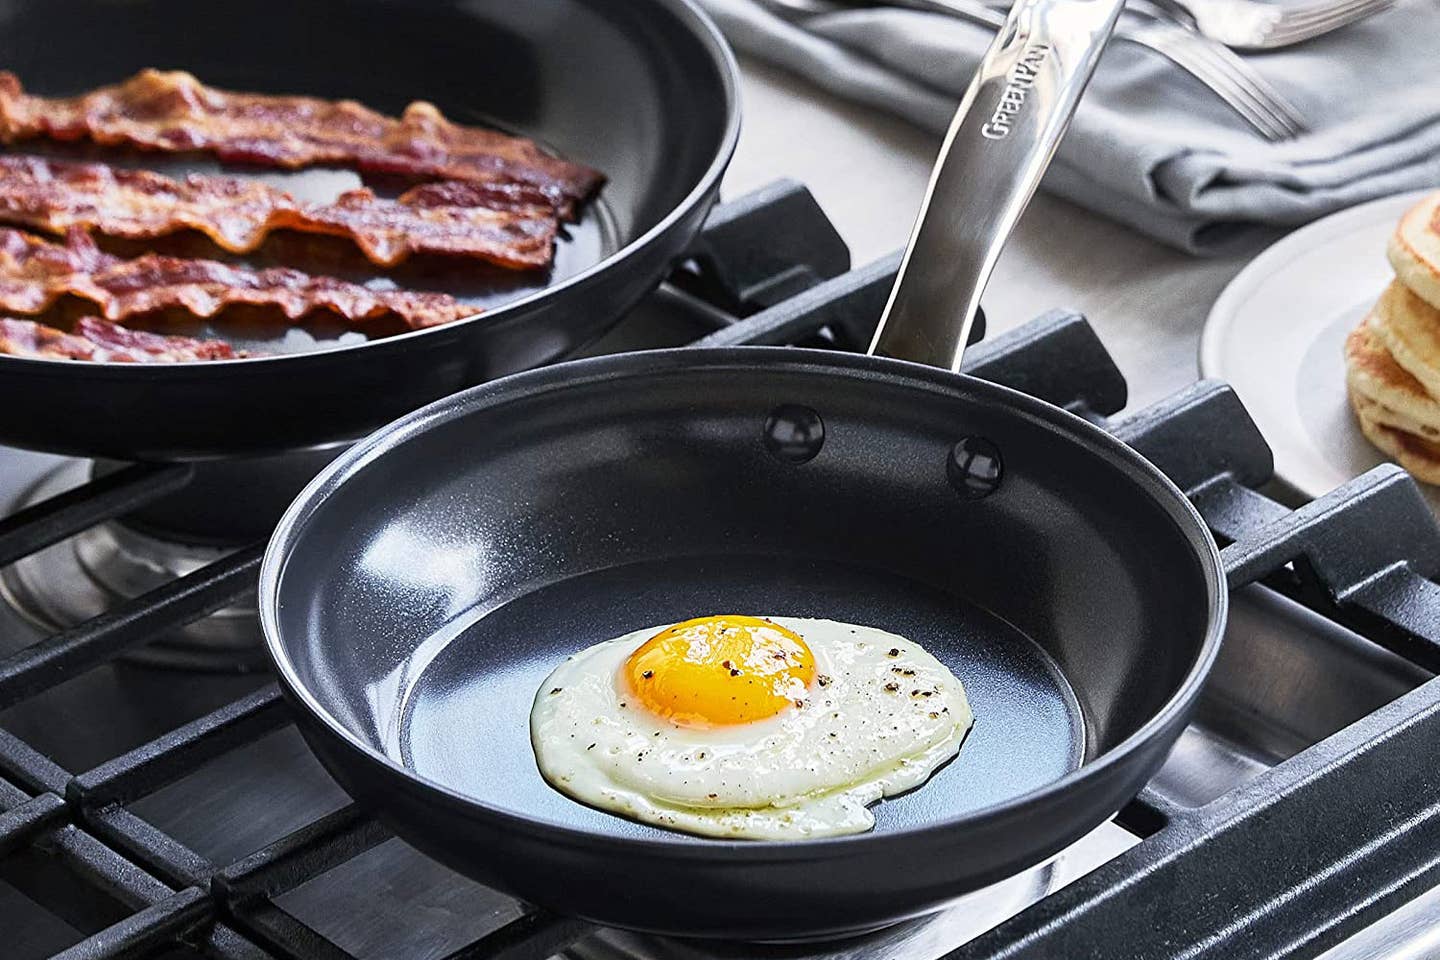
416	595
644	90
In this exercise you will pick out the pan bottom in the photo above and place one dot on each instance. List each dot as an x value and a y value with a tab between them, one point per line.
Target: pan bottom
464	719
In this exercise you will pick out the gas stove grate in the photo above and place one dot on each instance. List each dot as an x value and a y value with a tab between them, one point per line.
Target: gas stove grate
1254	871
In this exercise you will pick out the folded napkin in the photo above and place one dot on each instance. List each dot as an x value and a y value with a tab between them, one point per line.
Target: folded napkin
1150	145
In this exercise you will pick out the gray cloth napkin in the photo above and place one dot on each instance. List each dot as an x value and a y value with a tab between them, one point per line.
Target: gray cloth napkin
1150	146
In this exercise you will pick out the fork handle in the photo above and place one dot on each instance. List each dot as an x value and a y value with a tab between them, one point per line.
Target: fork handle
1001	140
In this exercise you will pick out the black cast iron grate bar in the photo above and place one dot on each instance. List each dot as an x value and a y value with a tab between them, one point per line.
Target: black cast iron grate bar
285	936
134	622
148	846
800	248
22	823
1286	866
283	865
172	919
105	869
1056	357
536	935
163	760
29	767
851	302
223	943
104	498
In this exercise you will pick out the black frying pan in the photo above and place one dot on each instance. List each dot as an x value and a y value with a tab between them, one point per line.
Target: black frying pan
643	90
418	593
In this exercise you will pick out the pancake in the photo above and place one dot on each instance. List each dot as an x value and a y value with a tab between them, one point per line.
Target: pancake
1396	398
1419	456
1410	330
1414	250
1390	417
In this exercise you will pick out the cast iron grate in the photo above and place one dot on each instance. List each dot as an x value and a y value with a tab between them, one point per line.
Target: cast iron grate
770	269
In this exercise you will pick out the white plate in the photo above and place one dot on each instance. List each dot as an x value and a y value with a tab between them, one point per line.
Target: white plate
1277	332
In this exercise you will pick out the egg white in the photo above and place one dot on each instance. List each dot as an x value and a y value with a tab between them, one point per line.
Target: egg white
881	723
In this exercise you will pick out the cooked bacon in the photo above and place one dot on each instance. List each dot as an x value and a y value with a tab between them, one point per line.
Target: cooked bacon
96	339
474	220
174	112
34	273
388	231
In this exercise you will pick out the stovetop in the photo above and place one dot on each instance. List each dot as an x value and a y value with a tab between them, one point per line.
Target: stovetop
148	811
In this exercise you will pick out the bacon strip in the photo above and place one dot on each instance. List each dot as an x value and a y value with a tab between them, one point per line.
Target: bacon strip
34	273
475	220
96	339
174	112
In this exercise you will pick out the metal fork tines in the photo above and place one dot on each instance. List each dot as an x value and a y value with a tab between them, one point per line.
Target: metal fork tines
1256	25
1233	80
1230	78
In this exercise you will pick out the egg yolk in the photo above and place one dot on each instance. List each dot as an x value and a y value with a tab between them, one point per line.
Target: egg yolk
720	671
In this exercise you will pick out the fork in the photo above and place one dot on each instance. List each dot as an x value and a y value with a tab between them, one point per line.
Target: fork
1230	78
1256	25
1237	83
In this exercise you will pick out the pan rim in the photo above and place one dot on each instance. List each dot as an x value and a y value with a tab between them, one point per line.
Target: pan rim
704	29
559	376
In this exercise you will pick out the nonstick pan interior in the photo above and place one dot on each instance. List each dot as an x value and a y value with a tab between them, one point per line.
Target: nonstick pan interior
458	727
414	609
643	91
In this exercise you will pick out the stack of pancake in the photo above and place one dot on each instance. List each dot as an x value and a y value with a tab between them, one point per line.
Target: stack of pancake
1392	360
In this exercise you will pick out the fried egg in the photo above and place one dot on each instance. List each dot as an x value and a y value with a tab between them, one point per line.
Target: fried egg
745	727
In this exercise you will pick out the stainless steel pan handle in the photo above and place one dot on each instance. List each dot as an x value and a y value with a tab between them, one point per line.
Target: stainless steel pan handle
998	146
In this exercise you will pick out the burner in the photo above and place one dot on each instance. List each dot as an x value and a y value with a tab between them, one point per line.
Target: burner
224	506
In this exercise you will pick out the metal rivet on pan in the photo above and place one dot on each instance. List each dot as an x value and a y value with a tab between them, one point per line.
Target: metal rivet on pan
975	467
794	433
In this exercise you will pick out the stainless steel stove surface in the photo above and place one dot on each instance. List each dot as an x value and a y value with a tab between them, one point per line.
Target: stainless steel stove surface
156	801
